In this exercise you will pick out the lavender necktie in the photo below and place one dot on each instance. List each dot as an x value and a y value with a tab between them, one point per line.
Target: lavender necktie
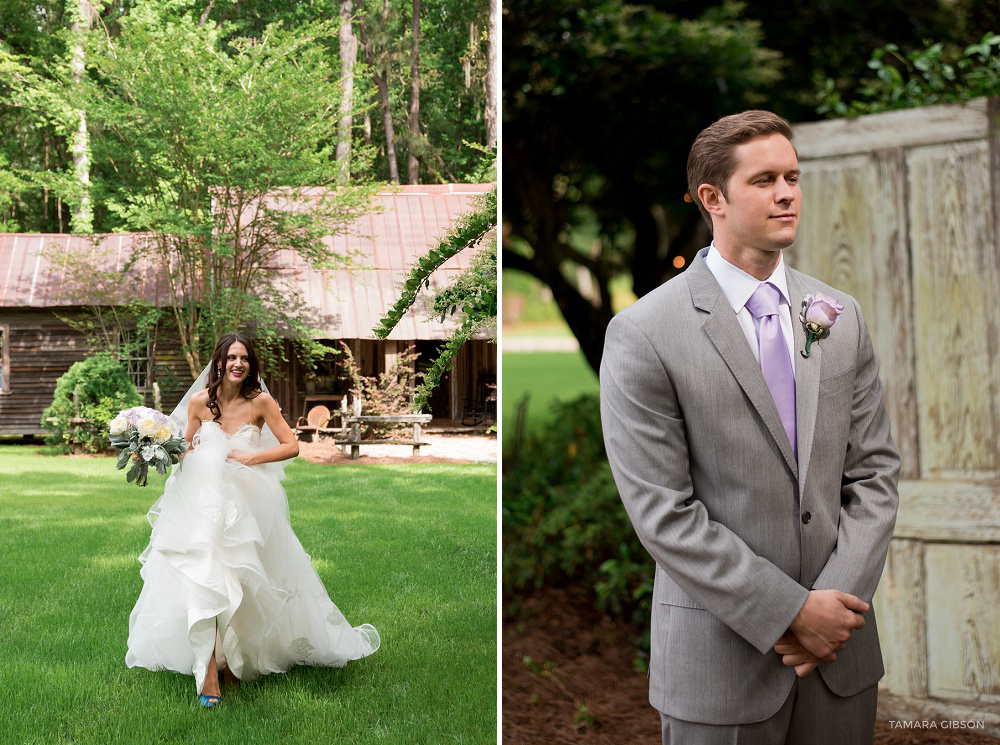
774	360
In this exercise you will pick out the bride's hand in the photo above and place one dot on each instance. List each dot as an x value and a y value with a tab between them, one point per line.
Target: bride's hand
240	457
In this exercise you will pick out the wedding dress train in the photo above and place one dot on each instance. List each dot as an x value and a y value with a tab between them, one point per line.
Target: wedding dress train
223	559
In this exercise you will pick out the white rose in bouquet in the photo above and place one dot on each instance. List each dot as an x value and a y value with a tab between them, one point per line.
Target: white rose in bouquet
148	427
118	425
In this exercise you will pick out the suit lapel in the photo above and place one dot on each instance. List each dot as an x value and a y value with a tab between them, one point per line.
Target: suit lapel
727	335
806	375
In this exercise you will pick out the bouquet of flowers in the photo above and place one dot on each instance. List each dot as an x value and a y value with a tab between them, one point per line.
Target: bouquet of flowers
145	436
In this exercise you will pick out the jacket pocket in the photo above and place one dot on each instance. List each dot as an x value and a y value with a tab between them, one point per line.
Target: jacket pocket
669	592
836	383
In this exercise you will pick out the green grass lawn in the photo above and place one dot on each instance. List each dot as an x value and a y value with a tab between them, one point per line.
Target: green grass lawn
409	549
545	377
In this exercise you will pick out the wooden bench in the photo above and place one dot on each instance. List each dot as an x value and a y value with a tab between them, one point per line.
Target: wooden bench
353	437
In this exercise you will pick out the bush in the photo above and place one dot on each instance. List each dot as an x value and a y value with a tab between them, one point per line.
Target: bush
387	394
103	388
563	521
920	77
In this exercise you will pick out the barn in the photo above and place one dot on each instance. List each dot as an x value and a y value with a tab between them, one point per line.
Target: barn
38	344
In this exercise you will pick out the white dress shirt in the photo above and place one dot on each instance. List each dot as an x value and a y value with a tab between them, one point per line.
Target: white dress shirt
738	286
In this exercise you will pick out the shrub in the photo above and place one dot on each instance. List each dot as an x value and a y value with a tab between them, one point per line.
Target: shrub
563	521
103	388
386	394
920	77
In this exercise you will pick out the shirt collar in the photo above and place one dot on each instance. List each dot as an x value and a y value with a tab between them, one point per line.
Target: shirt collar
737	285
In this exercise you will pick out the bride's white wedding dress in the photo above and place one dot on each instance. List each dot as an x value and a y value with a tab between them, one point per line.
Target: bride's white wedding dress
223	559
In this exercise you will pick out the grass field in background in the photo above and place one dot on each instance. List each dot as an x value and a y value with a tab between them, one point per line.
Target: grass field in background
409	549
546	377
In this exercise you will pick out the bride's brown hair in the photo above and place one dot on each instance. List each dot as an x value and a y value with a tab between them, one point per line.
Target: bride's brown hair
249	388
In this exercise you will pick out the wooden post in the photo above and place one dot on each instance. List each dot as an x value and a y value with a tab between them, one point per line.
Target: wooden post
355	440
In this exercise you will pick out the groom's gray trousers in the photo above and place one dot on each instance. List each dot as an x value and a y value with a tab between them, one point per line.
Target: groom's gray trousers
812	715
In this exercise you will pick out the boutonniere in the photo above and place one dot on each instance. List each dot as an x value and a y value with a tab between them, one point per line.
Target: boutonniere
819	315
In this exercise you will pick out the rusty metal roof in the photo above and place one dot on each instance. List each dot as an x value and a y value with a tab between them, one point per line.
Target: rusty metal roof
345	304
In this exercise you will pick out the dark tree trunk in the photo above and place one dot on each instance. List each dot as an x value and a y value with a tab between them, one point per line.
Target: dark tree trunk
390	137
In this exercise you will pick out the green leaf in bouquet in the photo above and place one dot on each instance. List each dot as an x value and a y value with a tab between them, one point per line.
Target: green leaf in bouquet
160	467
133	472
123	458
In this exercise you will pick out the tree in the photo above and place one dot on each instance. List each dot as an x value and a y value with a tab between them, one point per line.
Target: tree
83	15
492	60
39	186
472	296
412	164
375	41
34	99
224	158
601	103
348	59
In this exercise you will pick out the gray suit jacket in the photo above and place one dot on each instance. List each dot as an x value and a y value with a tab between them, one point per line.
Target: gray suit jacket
739	530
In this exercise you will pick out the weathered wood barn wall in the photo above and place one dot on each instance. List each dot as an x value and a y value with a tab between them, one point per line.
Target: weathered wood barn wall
901	210
36	347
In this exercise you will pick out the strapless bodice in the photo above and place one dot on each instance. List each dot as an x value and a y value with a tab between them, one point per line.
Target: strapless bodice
246	434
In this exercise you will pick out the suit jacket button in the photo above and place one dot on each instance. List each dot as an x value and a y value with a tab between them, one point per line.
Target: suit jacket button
806	517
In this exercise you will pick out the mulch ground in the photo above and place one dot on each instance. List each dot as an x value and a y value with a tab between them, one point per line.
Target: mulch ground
568	678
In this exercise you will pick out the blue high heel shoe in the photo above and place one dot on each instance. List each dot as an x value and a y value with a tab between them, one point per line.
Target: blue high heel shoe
209	701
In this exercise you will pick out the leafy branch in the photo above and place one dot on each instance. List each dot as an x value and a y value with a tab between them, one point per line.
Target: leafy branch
474	292
919	78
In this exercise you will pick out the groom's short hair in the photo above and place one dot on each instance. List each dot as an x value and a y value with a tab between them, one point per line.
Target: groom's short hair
712	159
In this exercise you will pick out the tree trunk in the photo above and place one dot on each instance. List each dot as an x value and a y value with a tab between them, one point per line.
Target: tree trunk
378	61
348	59
204	15
45	189
412	164
491	76
587	321
83	18
390	137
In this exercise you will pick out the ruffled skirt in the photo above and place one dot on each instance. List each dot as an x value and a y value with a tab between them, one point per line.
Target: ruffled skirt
223	562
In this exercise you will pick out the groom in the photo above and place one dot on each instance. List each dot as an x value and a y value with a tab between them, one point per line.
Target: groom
761	480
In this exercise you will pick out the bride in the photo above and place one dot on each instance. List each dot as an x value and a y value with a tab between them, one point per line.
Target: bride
226	583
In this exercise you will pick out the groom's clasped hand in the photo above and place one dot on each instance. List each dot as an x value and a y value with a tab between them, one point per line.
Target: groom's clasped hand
820	630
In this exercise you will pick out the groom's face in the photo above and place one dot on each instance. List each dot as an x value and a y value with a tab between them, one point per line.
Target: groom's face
761	210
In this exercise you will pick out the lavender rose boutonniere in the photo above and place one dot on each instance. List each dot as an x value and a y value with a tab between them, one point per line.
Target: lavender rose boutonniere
819	315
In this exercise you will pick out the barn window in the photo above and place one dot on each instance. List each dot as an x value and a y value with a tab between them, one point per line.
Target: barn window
134	352
4	359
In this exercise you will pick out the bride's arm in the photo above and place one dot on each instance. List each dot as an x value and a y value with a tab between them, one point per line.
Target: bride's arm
194	421
287	447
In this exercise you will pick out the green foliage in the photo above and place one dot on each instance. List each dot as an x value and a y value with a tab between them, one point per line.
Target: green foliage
219	148
385	394
38	120
921	77
587	146
563	521
102	388
452	82
473	295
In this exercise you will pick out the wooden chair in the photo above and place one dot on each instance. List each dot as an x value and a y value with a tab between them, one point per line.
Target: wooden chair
483	406
316	422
